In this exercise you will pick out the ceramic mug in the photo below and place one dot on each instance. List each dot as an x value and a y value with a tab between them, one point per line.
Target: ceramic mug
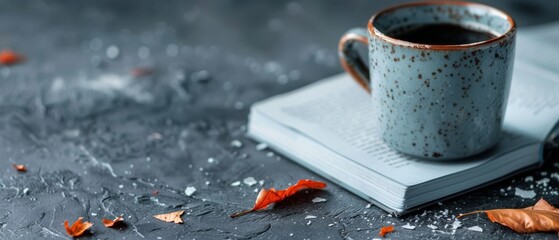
435	101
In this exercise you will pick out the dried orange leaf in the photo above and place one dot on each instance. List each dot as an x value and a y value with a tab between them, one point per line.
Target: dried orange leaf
385	230
20	167
170	217
9	57
269	196
542	217
111	223
142	71
78	228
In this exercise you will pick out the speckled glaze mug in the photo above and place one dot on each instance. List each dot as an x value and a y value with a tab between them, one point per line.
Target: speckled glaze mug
435	101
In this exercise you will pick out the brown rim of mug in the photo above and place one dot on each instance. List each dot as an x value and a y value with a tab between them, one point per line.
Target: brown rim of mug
376	33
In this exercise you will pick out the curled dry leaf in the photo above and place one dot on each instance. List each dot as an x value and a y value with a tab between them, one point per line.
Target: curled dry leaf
142	71
111	223
9	57
20	167
170	217
542	217
385	230
269	196
78	228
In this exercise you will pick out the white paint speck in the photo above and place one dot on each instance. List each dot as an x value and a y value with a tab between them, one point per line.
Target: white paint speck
432	226
456	224
250	181
543	182
476	229
270	154
112	52
310	217
93	214
120	186
319	200
261	147
211	160
309	222
236	183
261	182
529	179
189	191
236	144
369	205
408	226
524	193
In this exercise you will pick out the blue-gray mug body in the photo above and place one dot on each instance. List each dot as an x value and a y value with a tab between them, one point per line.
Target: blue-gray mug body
436	101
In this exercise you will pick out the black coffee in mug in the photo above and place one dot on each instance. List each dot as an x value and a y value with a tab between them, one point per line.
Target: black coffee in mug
440	34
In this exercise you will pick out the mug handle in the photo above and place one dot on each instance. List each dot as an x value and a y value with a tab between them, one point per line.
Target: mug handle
350	59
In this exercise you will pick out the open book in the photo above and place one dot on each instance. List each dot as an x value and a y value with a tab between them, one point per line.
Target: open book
328	127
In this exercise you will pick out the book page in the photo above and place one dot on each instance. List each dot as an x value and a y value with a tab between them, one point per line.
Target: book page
339	114
533	107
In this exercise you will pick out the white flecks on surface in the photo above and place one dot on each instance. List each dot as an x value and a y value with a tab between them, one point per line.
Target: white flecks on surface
408	226
236	144
261	147
544	182
250	181
93	214
555	176
112	52
476	229
330	225
369	205
529	179
310	217
309	222
524	193
456	224
189	191
261	182
120	186
211	160
25	191
319	200
270	154
236	183
431	226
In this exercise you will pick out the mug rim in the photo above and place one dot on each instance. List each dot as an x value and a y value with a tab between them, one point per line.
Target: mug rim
373	31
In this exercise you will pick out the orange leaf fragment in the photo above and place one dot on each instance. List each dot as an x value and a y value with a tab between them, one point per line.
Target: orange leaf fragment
542	217
385	230
269	196
111	223
142	71
170	217
20	167
78	228
9	57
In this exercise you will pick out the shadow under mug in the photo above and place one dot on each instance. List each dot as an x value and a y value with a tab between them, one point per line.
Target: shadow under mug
435	101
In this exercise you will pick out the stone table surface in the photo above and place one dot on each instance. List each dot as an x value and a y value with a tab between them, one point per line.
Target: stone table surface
99	142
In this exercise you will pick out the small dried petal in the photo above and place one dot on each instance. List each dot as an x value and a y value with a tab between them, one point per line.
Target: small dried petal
20	167
78	228
9	57
170	217
385	230
111	223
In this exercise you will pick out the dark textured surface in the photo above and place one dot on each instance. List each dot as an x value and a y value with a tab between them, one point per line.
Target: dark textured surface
98	142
